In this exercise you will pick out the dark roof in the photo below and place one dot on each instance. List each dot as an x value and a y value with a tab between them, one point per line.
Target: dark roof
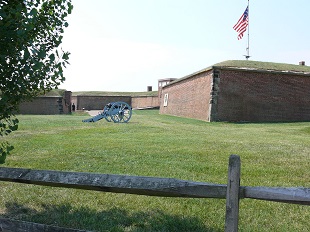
250	65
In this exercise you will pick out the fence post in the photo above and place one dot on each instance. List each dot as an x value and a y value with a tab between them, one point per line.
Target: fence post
232	196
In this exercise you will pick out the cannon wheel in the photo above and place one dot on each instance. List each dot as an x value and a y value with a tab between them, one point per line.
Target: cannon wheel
108	118
106	114
120	112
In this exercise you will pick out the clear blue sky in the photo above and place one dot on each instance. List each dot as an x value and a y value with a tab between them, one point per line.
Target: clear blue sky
127	45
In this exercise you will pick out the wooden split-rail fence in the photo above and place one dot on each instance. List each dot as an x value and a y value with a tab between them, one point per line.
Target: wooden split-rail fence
151	186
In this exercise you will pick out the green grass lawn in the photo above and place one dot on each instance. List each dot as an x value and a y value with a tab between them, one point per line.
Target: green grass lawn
272	154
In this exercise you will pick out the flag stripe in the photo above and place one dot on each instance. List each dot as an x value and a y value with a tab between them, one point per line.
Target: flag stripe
237	24
242	23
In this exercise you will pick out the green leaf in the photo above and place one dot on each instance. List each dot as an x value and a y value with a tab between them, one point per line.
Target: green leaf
2	157
26	54
13	128
37	65
33	12
42	54
70	7
52	57
20	32
65	56
10	148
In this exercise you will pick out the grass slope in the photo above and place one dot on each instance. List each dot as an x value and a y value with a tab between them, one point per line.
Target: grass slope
104	93
263	65
254	65
272	154
60	92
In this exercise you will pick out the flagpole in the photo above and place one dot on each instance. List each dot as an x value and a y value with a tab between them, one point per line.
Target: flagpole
247	56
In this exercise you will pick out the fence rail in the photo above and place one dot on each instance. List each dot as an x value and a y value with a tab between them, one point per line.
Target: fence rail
162	187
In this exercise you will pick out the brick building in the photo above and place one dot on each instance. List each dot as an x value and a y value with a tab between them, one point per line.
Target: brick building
247	91
61	103
93	102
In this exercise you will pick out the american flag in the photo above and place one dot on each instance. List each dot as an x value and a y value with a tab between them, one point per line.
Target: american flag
242	23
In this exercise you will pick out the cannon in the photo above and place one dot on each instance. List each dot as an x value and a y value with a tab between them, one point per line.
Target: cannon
118	112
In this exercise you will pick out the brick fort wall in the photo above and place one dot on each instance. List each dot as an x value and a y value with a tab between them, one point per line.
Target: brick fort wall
144	102
45	106
98	102
240	95
189	97
62	105
262	96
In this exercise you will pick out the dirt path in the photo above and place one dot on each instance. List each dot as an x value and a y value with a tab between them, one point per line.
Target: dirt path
93	112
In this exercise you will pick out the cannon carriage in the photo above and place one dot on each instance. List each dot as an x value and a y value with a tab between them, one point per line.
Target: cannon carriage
118	112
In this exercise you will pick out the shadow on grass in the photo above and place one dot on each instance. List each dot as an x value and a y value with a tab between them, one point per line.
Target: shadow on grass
115	219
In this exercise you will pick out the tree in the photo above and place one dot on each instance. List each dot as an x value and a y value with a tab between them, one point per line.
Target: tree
31	60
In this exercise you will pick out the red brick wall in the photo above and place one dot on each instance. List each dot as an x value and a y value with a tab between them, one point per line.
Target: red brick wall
263	96
240	95
59	105
189	97
144	101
